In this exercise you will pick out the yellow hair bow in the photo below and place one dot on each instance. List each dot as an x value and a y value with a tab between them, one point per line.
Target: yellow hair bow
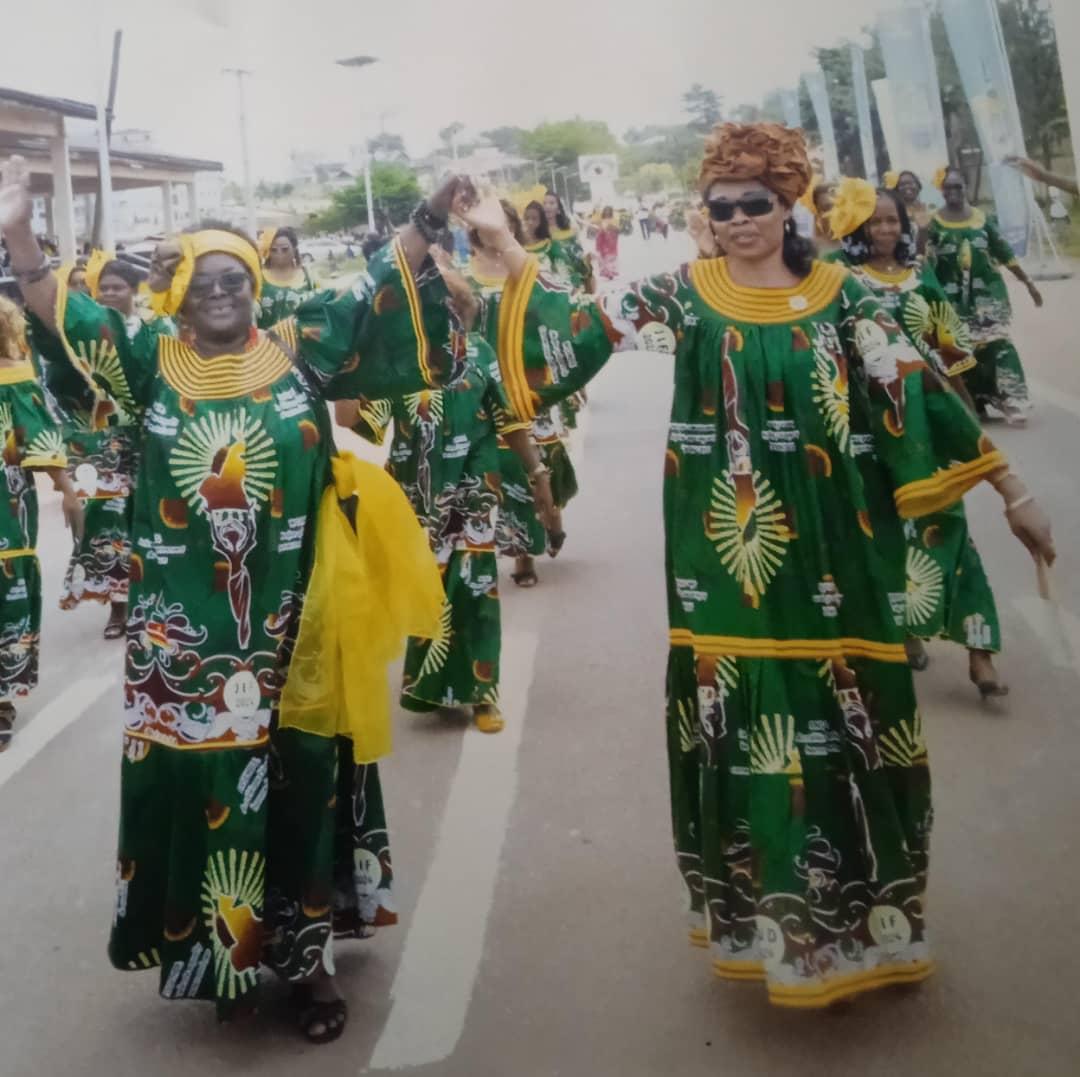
891	180
853	205
266	241
939	177
97	261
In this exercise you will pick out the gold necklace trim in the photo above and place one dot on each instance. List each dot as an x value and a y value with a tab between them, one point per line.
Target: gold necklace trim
766	306
976	220
225	377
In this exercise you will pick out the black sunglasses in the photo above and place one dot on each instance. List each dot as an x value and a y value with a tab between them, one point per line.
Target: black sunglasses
232	282
755	205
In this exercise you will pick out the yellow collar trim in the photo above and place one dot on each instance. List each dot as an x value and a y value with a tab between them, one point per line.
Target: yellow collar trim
17	372
483	280
539	248
976	220
766	306
899	277
225	377
562	234
297	280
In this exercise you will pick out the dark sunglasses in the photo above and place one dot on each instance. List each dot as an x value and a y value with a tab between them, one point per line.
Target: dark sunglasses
232	282
756	205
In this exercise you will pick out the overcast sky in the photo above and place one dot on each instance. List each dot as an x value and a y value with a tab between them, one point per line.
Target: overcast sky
623	61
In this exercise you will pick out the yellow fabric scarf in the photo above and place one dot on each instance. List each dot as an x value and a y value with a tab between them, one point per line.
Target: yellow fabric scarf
195	245
370	588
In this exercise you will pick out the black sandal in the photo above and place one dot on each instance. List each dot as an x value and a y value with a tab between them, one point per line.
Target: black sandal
114	630
526	578
555	542
7	722
331	1013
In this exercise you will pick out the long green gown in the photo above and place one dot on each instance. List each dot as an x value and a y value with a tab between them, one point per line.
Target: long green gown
281	297
520	532
966	256
804	427
445	455
948	593
242	843
30	439
102	466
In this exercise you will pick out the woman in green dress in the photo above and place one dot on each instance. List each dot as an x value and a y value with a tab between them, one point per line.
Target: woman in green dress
30	441
805	428
445	454
243	840
948	593
966	249
286	281
101	463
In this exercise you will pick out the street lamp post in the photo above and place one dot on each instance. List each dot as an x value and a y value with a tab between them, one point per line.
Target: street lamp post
249	192
356	62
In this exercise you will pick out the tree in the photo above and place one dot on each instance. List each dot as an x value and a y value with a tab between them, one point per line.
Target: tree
394	190
652	178
388	147
448	136
1031	44
679	147
562	143
505	139
704	106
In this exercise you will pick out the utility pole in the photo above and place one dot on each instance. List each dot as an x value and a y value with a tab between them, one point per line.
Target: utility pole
358	62
101	233
249	191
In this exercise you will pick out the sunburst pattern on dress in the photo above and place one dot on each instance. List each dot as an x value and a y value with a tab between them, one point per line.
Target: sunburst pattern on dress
232	901
102	362
772	746
439	648
925	584
940	320
751	549
688	730
430	401
192	461
830	392
904	745
48	445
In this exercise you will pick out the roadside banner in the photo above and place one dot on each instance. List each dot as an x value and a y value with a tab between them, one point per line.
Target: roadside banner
819	98
862	111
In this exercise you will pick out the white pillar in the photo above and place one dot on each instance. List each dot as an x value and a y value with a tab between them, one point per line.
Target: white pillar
192	205
1067	24
168	222
63	200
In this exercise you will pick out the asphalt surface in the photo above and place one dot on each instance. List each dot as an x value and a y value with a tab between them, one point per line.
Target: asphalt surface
542	930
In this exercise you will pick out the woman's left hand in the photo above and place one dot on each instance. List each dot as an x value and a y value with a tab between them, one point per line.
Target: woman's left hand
1032	527
545	502
454	196
1036	295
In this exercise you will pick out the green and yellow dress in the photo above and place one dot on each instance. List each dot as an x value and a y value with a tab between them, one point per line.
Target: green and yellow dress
966	255
282	294
575	265
242	843
101	463
31	439
804	429
948	593
445	454
519	532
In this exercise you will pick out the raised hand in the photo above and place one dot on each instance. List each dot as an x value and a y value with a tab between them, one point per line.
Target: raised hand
16	207
486	215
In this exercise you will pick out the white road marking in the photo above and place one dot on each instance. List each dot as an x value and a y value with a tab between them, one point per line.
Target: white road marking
1057	629
63	711
1066	401
434	982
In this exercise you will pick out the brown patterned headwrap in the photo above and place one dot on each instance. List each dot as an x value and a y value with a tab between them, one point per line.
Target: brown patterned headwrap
769	152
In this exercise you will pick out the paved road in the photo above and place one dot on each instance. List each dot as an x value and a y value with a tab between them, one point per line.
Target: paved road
541	912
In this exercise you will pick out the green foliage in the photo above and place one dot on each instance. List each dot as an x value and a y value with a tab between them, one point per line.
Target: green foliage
388	147
272	191
651	178
676	146
564	142
394	191
506	139
705	107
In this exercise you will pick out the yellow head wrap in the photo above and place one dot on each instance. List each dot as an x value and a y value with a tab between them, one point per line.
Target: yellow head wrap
195	245
891	181
853	205
939	177
97	261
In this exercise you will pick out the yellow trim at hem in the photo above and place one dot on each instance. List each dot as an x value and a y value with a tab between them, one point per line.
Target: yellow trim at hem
511	340
738	970
415	310
8	555
817	996
213	746
43	461
699	937
924	496
15	373
766	306
746	647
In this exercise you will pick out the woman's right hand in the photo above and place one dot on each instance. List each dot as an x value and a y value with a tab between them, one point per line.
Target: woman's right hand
16	206
486	215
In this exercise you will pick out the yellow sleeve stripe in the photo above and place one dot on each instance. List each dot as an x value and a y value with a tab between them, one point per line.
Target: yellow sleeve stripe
938	492
749	647
17	372
59	312
415	310
511	339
